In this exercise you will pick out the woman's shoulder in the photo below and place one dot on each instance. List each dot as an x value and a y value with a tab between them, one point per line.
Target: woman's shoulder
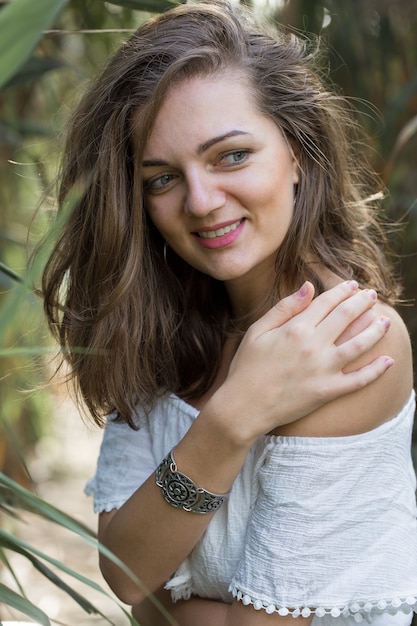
379	402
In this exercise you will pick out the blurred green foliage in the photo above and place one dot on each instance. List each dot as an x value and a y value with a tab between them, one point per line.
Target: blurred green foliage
372	55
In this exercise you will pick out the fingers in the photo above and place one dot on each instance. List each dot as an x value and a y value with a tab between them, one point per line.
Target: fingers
358	325
286	309
327	301
358	379
355	347
331	306
345	313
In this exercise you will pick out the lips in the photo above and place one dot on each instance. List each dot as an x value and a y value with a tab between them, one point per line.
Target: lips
223	236
219	232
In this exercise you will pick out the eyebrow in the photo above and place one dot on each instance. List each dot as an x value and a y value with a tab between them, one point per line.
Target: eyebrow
211	142
200	149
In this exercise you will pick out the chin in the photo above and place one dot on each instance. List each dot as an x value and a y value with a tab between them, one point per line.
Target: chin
225	275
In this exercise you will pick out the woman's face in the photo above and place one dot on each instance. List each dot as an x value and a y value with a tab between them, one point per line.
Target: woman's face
219	179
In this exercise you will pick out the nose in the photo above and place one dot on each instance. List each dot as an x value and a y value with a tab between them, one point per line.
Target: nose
204	194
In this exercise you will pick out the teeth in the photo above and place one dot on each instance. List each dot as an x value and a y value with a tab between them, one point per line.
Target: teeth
211	234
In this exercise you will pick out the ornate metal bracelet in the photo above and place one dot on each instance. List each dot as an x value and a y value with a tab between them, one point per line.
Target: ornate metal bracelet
182	492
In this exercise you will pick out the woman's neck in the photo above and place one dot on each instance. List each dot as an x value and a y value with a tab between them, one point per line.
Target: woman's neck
250	296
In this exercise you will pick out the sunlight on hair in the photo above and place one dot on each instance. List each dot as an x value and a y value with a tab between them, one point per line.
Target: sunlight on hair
270	4
265	4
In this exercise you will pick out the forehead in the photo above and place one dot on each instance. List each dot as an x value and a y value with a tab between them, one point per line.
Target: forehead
199	108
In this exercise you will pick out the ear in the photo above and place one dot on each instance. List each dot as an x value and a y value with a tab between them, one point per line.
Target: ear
295	153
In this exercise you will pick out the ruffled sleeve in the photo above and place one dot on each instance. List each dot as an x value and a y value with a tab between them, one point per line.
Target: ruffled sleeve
125	461
333	530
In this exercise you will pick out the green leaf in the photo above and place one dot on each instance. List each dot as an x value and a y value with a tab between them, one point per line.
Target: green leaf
12	542
154	6
33	69
9	597
25	499
21	25
26	351
52	577
29	501
11	571
5	269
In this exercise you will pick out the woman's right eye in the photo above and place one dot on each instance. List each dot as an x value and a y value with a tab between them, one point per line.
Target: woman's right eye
158	184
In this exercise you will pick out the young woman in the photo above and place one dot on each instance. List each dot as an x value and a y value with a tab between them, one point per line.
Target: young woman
219	272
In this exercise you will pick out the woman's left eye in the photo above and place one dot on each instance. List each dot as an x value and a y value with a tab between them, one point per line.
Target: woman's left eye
234	158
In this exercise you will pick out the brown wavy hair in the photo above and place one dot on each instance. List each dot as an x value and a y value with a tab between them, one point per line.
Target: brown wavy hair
133	327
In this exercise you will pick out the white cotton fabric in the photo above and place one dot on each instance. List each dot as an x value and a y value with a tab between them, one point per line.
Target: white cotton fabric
322	526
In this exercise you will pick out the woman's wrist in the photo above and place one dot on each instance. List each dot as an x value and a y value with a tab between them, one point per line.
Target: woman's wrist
234	412
212	452
230	415
181	492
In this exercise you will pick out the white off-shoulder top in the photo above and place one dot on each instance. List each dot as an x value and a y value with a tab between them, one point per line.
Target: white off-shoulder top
322	526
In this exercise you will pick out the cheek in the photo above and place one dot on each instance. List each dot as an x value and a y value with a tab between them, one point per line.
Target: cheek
153	216
274	191
158	217
165	211
169	228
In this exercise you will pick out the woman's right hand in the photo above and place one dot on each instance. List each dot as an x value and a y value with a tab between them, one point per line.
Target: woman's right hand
292	360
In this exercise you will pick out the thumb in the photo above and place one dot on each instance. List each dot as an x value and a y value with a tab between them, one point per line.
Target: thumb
286	309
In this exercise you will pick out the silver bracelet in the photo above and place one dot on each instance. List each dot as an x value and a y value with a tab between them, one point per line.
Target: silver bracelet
182	492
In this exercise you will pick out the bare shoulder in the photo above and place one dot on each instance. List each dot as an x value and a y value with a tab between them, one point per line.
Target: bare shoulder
377	403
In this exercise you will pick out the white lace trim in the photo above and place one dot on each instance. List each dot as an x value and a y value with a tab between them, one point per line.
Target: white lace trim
360	611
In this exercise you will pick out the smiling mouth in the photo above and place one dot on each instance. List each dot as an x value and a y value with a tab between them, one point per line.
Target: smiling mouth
212	234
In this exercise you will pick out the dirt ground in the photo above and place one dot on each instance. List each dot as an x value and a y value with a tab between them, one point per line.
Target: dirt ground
61	465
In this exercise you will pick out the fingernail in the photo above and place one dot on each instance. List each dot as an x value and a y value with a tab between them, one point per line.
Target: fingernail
372	293
352	284
386	322
388	361
302	292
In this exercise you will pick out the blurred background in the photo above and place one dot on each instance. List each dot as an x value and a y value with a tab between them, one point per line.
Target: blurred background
372	53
